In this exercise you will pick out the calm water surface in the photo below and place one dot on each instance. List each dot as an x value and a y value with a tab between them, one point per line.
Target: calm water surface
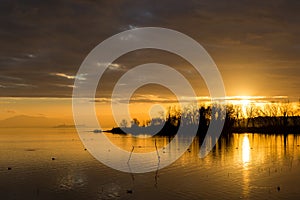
244	166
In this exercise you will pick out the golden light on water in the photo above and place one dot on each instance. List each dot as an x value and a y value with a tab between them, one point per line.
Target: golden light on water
246	159
246	150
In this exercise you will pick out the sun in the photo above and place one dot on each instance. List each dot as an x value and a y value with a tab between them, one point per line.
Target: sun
245	104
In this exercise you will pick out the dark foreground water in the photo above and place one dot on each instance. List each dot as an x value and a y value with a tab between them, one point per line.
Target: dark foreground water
245	166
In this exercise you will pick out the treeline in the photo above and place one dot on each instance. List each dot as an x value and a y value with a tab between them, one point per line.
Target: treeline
271	118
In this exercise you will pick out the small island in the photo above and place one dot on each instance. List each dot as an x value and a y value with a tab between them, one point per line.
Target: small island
270	120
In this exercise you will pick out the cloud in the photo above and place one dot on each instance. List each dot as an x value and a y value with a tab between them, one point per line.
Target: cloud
235	33
115	66
63	75
79	77
16	85
112	66
64	85
23	85
101	100
9	78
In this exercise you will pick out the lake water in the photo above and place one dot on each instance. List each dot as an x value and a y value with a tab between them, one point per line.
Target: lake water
244	166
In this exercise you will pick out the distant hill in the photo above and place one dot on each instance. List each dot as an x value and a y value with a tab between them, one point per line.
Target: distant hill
23	121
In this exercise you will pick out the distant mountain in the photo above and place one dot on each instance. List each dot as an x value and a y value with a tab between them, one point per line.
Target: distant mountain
24	121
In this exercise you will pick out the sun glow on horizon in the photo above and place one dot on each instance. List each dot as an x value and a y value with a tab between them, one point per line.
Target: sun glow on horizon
245	103
53	107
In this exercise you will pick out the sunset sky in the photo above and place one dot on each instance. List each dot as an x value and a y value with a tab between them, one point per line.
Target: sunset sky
255	45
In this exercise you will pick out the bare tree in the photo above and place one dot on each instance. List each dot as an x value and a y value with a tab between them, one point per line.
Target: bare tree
251	112
124	123
285	110
295	112
135	122
238	114
270	113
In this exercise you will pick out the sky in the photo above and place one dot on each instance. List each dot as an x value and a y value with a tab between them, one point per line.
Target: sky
255	44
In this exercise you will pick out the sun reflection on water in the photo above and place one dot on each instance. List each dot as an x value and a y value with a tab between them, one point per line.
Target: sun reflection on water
246	150
246	159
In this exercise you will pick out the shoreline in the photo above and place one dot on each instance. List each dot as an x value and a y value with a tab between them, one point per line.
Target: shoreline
239	130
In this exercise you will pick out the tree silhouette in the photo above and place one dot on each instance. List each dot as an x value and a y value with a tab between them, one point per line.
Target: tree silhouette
270	118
